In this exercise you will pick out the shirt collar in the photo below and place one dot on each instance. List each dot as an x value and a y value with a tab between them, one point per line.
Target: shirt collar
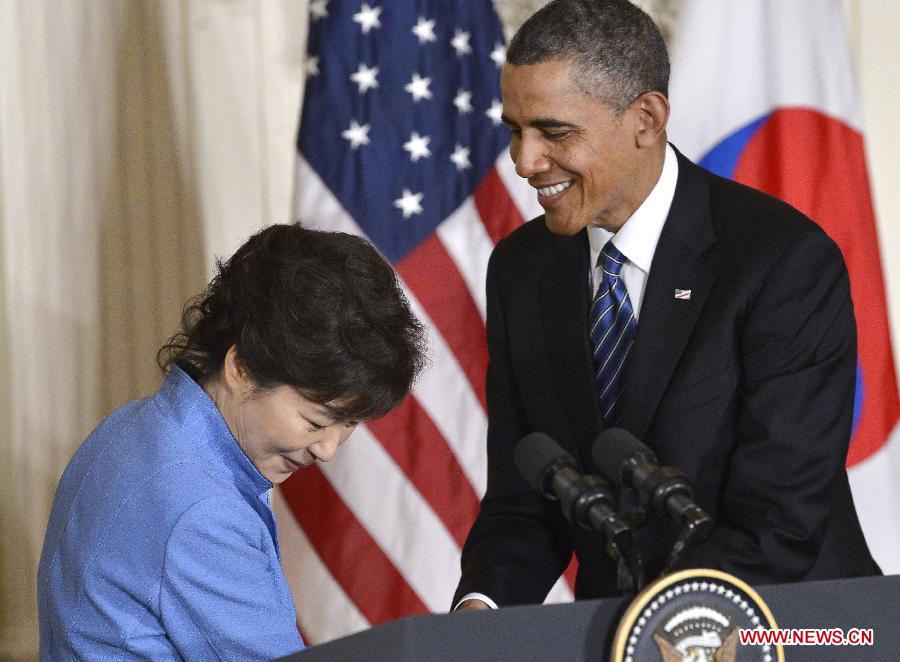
638	237
193	410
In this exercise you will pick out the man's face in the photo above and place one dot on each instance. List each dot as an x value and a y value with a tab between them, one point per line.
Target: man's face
580	156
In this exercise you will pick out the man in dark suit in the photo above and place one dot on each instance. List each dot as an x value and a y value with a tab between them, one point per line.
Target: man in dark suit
733	346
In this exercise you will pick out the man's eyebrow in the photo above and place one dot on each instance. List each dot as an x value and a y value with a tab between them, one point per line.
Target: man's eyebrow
542	123
549	123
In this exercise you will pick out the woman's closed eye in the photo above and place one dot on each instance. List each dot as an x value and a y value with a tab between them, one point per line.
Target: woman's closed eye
313	426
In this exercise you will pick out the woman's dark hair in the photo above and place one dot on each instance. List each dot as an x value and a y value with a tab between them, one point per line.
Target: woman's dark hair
320	311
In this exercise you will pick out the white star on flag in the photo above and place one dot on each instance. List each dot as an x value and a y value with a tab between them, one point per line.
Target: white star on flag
418	87
318	9
409	203
460	157
424	30
367	17
365	77
463	101
495	112
312	65
498	55
356	134
460	42
417	146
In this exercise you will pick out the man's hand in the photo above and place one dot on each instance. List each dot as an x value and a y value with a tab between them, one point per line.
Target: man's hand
472	604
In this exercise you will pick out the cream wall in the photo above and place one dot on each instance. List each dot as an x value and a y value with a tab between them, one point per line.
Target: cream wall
138	140
873	27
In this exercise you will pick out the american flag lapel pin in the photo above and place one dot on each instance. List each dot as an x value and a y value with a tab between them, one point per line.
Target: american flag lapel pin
684	295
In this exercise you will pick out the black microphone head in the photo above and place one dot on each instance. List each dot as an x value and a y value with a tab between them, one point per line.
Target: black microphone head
534	454
614	447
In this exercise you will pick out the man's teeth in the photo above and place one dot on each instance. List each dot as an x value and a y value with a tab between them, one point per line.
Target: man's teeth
556	189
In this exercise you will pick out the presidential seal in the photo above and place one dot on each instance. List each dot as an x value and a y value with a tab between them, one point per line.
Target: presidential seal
694	616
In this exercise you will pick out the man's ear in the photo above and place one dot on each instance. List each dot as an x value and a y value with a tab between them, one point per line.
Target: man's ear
653	114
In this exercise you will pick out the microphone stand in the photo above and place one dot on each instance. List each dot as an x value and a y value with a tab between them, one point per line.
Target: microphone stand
592	504
663	490
695	530
667	491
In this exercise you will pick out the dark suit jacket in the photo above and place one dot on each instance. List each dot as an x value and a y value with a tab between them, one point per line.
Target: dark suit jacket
747	387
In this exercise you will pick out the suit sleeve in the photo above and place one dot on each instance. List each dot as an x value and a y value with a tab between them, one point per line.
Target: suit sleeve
223	596
519	544
793	419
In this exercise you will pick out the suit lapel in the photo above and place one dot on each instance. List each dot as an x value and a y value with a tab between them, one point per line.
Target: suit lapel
564	310
666	323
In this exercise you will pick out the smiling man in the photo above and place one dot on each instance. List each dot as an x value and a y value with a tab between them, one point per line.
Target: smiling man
710	320
591	163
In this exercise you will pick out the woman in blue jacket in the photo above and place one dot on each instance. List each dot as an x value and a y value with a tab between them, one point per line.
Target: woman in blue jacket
161	543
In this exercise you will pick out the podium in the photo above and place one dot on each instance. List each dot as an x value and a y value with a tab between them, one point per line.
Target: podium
583	631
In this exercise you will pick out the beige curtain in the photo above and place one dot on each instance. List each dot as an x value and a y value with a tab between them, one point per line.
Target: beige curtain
139	139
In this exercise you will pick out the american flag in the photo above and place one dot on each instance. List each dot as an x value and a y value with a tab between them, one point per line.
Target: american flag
401	141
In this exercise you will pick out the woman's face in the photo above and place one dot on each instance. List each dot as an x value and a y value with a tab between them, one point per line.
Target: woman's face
278	429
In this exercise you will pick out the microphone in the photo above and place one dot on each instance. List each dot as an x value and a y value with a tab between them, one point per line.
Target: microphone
585	500
628	462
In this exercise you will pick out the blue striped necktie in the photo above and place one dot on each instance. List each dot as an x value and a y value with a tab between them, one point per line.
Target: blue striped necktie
612	333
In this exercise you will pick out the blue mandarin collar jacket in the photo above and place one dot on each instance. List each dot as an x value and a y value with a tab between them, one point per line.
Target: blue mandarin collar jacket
162	544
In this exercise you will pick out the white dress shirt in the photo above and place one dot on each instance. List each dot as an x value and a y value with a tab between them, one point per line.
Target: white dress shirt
638	237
